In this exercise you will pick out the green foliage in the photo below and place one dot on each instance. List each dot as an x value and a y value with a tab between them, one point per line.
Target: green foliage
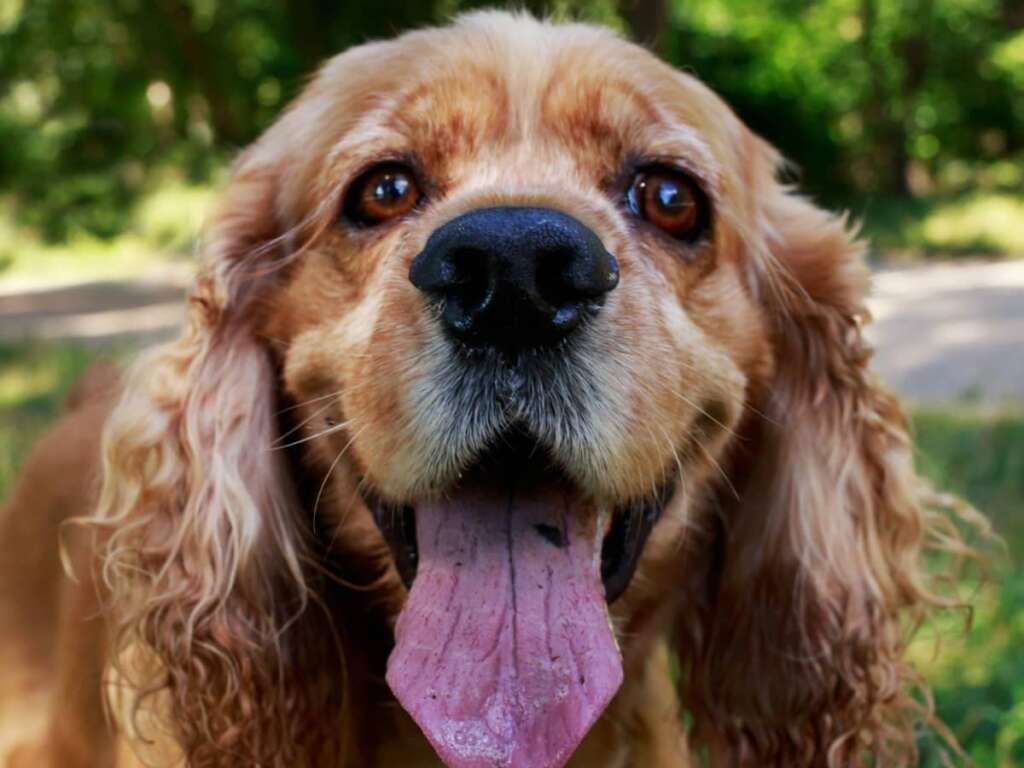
170	219
865	96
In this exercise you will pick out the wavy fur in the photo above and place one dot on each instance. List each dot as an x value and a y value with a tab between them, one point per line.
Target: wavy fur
207	553
794	642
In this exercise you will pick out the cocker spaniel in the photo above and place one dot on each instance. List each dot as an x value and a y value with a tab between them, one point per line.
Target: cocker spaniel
522	418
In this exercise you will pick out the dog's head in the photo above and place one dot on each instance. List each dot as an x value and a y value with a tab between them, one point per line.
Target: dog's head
520	316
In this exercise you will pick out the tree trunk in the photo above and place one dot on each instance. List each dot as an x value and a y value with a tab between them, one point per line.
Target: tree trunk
646	20
312	22
1012	14
202	62
539	8
889	133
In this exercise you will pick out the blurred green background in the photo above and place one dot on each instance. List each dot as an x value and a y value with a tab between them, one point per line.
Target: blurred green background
118	118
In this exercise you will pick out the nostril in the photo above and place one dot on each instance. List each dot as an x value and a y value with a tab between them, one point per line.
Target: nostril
472	277
553	279
572	280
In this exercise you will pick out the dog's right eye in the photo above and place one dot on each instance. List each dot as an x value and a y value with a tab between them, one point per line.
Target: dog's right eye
671	201
382	193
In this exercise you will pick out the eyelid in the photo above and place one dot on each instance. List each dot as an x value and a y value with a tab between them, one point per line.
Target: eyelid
381	159
678	164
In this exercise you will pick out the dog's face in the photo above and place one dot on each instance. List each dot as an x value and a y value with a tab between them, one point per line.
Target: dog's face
531	277
535	232
548	336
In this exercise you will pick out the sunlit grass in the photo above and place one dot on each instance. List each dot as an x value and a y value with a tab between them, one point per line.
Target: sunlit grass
980	224
169	219
19	384
989	223
163	228
977	451
977	678
34	378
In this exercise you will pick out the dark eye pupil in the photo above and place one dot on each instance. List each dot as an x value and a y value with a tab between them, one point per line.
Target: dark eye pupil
391	189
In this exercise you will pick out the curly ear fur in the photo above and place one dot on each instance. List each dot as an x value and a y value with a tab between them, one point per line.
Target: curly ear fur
793	643
206	560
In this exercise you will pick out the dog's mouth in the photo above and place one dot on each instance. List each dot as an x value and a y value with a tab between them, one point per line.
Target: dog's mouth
519	463
504	653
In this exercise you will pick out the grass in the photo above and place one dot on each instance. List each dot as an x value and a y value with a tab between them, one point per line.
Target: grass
162	228
943	227
34	378
978	452
978	682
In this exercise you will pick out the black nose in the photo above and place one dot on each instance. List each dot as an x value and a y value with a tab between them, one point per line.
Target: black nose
514	277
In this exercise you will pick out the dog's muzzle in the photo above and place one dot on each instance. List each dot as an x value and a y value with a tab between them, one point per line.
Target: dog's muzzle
504	651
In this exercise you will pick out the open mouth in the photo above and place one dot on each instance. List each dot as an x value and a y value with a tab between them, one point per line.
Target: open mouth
504	653
516	460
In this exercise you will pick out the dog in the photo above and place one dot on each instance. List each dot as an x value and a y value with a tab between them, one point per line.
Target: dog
522	417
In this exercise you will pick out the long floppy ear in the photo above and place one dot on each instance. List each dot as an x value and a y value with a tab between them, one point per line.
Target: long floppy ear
205	559
793	646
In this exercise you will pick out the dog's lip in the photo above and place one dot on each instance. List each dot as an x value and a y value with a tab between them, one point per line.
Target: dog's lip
630	525
397	522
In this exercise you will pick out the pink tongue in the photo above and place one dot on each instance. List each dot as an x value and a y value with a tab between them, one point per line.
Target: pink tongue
504	654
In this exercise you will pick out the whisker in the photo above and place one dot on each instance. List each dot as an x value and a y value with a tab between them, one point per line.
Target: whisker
337	393
319	493
675	452
654	480
303	423
322	433
717	465
327	573
745	404
703	412
361	485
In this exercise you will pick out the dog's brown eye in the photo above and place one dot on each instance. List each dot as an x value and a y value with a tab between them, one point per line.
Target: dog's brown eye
669	200
382	193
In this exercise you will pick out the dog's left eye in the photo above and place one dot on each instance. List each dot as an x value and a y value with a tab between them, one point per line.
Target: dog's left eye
384	192
671	201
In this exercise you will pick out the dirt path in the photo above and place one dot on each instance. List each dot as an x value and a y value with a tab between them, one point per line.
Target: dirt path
99	312
940	331
951	330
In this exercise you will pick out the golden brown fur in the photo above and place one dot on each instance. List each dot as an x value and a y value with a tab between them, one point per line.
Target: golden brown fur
251	597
